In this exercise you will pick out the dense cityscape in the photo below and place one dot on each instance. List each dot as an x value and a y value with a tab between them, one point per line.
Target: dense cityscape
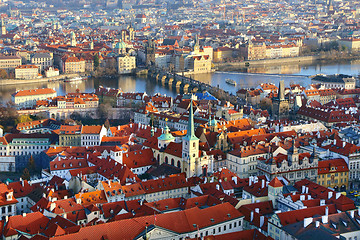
230	137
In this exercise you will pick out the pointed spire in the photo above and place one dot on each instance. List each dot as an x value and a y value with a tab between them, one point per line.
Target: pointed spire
197	43
190	135
281	94
152	131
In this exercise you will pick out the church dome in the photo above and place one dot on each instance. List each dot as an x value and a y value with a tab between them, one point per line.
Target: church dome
166	136
120	45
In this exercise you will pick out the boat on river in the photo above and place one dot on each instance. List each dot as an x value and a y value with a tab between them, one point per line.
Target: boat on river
230	81
74	79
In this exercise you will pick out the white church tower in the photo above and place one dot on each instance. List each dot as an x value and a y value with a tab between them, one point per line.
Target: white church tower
190	147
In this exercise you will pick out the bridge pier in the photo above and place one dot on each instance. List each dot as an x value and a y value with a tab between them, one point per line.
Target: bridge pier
178	85
186	87
170	82
163	79
194	89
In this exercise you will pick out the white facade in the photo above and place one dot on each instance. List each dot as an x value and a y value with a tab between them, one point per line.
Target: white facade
7	164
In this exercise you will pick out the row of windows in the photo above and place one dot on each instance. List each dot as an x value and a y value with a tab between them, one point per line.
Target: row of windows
219	230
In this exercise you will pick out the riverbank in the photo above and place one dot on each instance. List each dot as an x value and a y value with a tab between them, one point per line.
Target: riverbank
325	58
5	82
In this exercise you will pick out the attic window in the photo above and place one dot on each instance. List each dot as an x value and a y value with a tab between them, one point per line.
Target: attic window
333	225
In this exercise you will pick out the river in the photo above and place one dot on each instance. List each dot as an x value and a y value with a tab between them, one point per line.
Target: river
245	78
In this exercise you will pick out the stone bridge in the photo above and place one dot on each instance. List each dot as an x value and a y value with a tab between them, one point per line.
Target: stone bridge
178	82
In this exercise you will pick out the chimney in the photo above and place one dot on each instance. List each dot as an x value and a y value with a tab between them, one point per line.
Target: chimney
325	219
65	197
217	187
251	216
344	144
306	189
235	180
352	214
330	194
257	210
6	218
262	183
307	221
317	224
24	214
303	189
250	179
326	210
252	199
262	220
334	141
322	202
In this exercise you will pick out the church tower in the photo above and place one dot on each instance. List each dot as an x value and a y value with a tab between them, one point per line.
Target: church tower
213	124
280	107
131	31
150	53
190	147
73	39
197	46
3	27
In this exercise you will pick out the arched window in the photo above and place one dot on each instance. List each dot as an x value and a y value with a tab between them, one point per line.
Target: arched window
178	164
172	162
166	160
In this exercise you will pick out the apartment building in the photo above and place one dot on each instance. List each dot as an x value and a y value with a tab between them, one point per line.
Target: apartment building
26	72
9	63
333	173
28	98
42	61
126	64
72	64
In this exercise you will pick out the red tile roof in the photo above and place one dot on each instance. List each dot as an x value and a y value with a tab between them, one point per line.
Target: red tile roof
332	166
276	183
32	92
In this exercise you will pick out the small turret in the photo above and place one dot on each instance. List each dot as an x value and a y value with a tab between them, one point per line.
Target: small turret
3	27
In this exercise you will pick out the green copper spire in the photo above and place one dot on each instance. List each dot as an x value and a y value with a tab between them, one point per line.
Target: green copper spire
190	135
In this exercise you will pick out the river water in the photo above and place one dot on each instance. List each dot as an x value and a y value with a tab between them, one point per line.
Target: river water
245	78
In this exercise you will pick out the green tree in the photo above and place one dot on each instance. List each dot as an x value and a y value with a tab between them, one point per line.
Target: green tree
3	74
26	174
76	116
24	118
103	111
32	165
96	61
8	116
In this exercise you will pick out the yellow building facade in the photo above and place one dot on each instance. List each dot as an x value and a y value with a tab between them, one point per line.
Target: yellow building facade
333	173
